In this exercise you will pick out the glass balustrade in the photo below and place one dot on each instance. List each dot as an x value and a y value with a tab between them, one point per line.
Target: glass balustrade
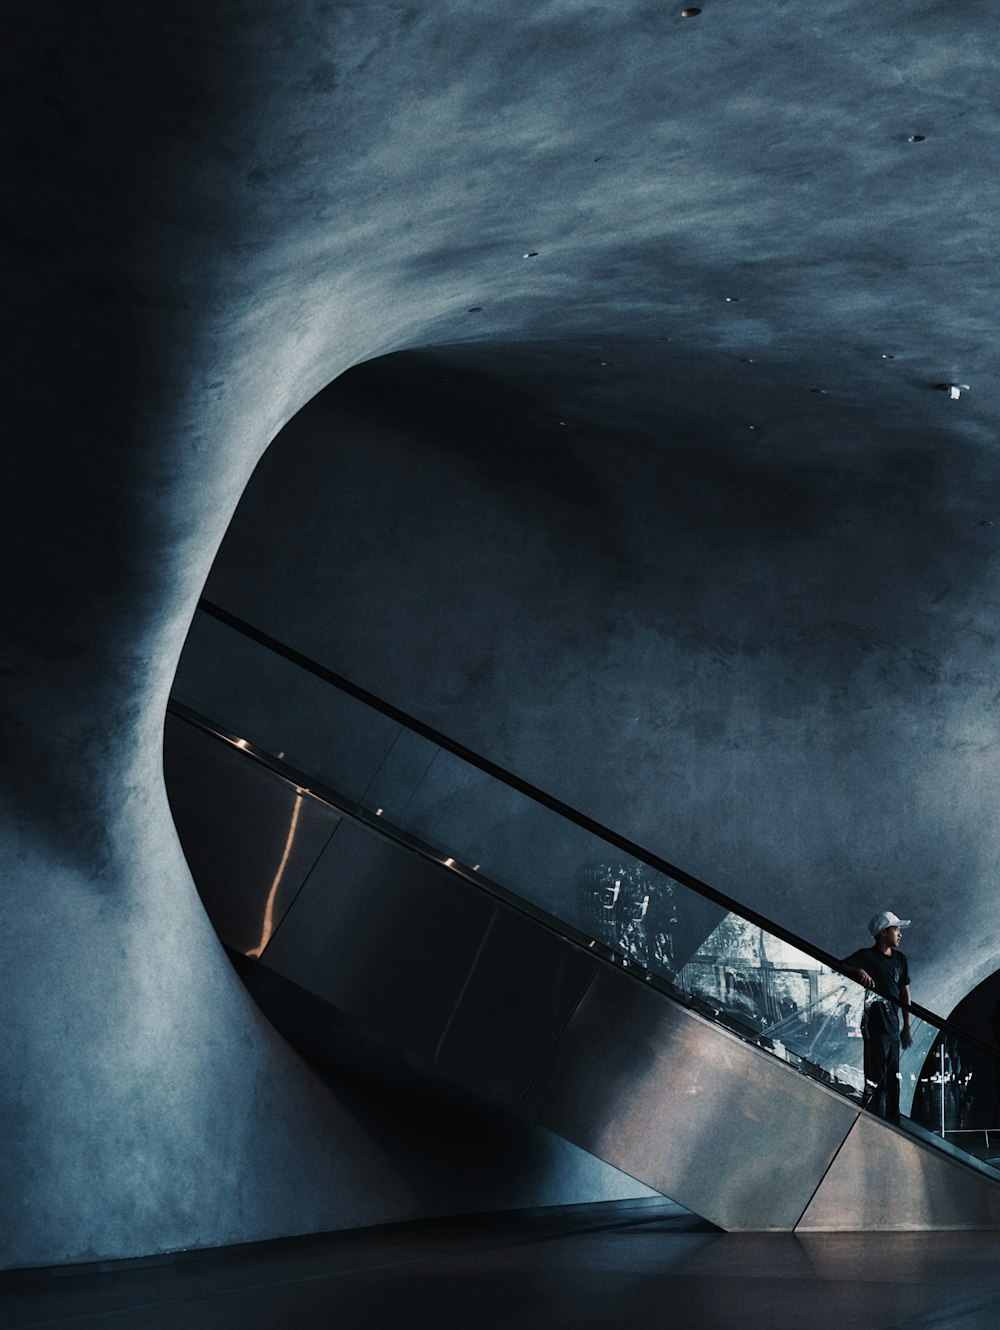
733	969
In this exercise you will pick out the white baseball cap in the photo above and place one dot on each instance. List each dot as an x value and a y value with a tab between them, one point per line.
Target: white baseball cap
885	920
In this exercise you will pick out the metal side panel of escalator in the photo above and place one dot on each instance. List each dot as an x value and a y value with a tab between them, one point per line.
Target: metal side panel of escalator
411	949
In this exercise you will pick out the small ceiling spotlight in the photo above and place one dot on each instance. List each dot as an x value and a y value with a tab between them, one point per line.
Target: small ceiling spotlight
690	13
531	254
887	355
917	138
475	309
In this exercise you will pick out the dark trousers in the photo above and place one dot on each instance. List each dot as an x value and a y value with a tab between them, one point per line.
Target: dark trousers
882	1075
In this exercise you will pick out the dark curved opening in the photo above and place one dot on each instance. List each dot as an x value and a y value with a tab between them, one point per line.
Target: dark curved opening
960	1081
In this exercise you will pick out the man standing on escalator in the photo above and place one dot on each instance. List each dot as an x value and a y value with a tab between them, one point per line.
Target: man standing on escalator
883	971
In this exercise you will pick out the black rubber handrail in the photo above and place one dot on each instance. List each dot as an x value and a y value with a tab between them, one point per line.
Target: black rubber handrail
565	810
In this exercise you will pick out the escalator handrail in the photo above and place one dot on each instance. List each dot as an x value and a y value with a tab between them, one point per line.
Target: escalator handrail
557	806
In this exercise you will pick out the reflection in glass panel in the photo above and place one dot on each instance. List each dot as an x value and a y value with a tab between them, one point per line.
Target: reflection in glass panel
958	1096
763	986
630	908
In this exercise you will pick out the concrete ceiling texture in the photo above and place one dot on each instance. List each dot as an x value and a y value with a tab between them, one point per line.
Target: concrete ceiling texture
776	221
733	268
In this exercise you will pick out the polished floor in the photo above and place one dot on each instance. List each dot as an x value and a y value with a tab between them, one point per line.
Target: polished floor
608	1266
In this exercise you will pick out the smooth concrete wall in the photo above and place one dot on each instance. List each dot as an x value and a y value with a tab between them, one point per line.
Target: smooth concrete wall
214	210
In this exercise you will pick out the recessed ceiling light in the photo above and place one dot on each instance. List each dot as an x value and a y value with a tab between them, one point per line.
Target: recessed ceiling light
916	138
475	309
690	13
531	254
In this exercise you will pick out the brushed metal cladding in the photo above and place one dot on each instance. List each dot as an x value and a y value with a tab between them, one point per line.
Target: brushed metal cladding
250	838
721	1127
415	952
884	1180
518	1014
521	991
384	935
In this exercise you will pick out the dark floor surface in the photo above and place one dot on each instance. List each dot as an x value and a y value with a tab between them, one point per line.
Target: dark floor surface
608	1266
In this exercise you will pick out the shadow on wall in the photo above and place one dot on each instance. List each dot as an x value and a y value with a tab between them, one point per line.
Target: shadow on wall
444	1142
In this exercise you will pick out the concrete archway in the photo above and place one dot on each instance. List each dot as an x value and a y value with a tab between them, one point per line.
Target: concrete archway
214	216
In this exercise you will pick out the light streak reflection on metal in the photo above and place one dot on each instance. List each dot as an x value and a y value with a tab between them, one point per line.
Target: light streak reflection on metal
267	927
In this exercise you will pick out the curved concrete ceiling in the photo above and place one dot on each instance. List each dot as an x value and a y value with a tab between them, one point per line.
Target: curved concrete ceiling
217	210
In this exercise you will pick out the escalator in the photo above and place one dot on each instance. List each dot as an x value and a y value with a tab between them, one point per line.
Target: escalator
352	856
